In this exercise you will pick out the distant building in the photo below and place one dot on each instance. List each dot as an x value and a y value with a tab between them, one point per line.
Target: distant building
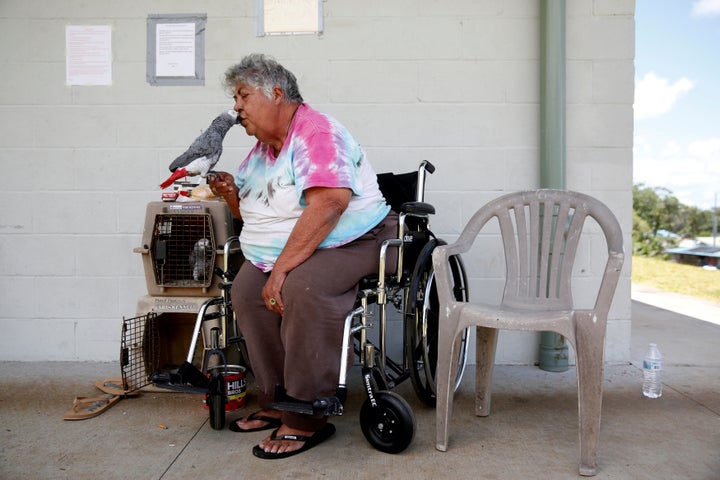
699	254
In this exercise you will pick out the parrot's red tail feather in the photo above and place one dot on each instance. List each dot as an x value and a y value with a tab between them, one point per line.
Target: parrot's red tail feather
179	173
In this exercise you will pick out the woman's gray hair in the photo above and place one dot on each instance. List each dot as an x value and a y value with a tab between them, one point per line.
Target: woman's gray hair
264	72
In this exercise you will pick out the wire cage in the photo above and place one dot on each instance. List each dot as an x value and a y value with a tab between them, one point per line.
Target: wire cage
182	245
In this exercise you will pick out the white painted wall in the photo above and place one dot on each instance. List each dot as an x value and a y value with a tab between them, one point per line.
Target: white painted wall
453	82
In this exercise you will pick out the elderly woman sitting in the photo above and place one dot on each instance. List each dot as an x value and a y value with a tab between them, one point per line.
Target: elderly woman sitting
314	221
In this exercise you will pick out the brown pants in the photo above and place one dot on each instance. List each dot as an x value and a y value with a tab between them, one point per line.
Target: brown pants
301	349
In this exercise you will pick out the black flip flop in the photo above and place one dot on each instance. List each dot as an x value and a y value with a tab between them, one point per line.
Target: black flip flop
315	439
270	423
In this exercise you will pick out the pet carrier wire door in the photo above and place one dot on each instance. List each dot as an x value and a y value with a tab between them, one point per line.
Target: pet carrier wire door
183	250
138	351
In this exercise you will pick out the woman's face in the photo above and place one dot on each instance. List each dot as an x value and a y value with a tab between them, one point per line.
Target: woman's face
257	112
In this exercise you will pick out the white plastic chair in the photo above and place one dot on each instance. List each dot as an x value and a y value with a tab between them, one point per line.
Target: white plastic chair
540	232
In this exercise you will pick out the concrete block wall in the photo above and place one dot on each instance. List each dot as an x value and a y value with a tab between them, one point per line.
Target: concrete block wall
456	83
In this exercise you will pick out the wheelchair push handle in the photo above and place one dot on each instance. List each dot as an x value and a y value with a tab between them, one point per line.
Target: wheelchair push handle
425	166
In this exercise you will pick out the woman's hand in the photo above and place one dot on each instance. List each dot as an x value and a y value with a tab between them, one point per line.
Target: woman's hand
222	184
271	292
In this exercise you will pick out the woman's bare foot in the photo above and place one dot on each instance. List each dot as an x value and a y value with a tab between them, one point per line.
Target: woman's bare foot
284	440
260	420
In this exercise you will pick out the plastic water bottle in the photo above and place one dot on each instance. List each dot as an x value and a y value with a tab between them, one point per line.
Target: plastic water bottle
652	372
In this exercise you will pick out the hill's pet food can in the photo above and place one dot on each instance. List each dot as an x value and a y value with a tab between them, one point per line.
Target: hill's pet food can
235	389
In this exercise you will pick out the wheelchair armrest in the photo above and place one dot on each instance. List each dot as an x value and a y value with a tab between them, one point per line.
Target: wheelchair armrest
369	282
417	208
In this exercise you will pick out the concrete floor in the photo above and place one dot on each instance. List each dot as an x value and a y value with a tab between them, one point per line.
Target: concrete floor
531	433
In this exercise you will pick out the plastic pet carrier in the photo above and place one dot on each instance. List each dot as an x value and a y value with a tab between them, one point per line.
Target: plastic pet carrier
182	244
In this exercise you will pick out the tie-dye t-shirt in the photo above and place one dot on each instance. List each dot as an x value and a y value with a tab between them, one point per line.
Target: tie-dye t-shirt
318	152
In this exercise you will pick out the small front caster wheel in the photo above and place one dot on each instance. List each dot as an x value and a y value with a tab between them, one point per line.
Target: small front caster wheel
388	424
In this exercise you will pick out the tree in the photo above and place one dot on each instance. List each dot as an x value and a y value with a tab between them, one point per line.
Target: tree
693	222
656	209
659	212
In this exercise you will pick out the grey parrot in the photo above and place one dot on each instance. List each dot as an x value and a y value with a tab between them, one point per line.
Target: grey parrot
204	152
201	259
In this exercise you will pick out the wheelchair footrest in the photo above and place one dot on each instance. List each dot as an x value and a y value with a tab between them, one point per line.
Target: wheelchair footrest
173	381
321	406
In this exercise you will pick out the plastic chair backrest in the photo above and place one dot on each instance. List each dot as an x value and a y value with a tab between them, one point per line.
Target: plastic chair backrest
540	231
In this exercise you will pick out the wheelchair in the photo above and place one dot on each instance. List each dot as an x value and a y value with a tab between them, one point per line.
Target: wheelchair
386	419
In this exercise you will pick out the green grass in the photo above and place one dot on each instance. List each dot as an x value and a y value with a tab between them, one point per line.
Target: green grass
676	277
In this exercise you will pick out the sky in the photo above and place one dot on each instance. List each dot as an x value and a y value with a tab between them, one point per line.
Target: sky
677	99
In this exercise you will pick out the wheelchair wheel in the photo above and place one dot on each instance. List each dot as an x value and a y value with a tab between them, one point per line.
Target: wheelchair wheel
390	425
421	323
